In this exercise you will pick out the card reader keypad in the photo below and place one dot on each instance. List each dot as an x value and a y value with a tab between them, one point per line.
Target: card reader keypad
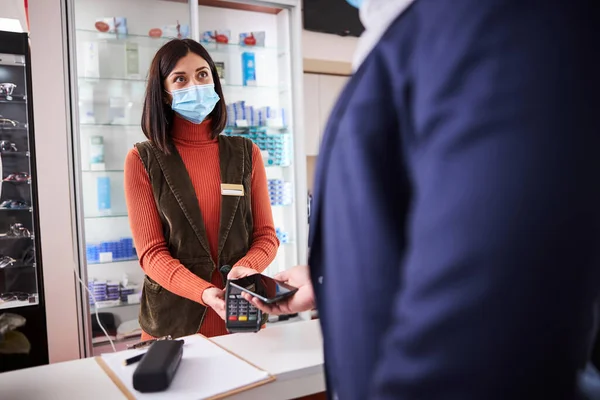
239	309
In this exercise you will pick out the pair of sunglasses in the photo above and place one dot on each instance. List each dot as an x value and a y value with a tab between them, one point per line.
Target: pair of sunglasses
18	230
6	145
18	177
14	204
13	296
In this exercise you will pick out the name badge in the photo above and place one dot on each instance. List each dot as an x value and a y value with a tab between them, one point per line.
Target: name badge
228	189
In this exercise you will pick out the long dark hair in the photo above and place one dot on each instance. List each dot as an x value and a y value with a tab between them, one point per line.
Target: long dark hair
157	117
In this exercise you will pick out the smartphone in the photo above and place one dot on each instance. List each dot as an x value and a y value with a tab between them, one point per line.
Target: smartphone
265	288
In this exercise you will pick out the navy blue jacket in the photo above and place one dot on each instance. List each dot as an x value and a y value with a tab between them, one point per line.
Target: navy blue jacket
455	239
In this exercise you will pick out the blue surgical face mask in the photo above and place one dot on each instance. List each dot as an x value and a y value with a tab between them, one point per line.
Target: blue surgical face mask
355	3
195	103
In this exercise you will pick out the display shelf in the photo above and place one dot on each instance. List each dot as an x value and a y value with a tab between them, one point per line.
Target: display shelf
103	216
120	343
120	171
4	305
113	262
12	129
262	130
120	305
87	124
102	171
26	182
155	43
15	238
16	209
18	265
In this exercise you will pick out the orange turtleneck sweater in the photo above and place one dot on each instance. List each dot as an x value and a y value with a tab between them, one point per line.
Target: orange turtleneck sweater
200	155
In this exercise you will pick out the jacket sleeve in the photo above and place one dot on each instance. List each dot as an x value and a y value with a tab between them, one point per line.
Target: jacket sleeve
264	240
501	271
149	239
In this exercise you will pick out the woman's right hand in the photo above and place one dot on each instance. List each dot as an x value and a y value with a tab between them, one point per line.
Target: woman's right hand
215	298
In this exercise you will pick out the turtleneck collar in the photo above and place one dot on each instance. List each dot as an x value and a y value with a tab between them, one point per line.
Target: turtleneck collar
188	133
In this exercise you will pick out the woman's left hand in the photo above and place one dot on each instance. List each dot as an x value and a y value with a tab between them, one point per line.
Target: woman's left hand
240	272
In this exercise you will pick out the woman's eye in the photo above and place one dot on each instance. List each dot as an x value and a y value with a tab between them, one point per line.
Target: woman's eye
203	74
179	79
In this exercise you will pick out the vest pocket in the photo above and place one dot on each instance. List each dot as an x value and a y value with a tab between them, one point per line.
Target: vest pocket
151	286
162	312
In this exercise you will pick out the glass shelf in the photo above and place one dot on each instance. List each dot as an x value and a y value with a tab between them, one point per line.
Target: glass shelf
102	171
16	209
14	153
120	305
4	305
17	237
155	43
18	265
11	129
114	261
110	125
14	101
261	130
102	216
120	171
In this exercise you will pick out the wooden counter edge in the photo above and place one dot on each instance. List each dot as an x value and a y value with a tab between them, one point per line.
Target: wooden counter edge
113	377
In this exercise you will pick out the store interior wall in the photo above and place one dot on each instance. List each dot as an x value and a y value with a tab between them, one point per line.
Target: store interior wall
324	47
327	47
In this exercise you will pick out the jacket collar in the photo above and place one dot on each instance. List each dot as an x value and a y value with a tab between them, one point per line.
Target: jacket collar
376	16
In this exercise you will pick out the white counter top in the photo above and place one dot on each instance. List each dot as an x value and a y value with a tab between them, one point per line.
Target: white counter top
291	352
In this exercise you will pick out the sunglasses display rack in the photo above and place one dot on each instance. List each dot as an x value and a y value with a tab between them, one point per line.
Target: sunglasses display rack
21	284
18	281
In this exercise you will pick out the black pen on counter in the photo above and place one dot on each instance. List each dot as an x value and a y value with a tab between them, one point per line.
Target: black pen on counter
133	360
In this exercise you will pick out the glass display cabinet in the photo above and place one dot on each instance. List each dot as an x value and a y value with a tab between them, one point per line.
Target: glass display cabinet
21	293
256	46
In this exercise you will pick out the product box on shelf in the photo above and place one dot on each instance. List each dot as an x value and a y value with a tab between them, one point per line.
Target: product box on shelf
97	153
253	39
112	26
112	293
220	65
248	69
177	31
103	183
280	192
108	251
221	36
283	236
242	115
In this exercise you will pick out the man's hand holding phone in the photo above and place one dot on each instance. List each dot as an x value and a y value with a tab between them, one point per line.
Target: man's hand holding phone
298	277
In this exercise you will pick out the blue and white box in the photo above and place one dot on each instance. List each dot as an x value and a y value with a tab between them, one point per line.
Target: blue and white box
103	183
248	69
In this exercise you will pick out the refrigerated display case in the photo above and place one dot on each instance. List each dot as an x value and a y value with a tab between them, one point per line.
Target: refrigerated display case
114	42
21	289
